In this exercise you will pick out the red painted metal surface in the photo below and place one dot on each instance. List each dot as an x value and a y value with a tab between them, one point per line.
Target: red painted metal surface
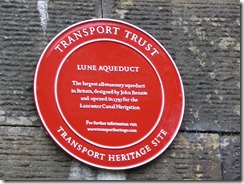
109	94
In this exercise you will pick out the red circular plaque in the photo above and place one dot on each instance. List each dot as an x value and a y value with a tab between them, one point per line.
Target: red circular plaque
109	94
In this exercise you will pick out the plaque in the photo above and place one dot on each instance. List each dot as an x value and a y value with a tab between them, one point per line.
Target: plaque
109	94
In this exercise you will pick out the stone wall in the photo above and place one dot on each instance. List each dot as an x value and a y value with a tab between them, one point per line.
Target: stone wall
203	38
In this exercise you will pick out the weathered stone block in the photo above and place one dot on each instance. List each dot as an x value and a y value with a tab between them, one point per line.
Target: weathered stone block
203	38
192	156
231	157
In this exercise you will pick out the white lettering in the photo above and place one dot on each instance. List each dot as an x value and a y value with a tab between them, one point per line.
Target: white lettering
127	33
129	156
77	36
116	29
141	42
65	45
58	47
108	30
100	30
85	32
158	139
75	144
70	40
92	29
154	52
108	69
